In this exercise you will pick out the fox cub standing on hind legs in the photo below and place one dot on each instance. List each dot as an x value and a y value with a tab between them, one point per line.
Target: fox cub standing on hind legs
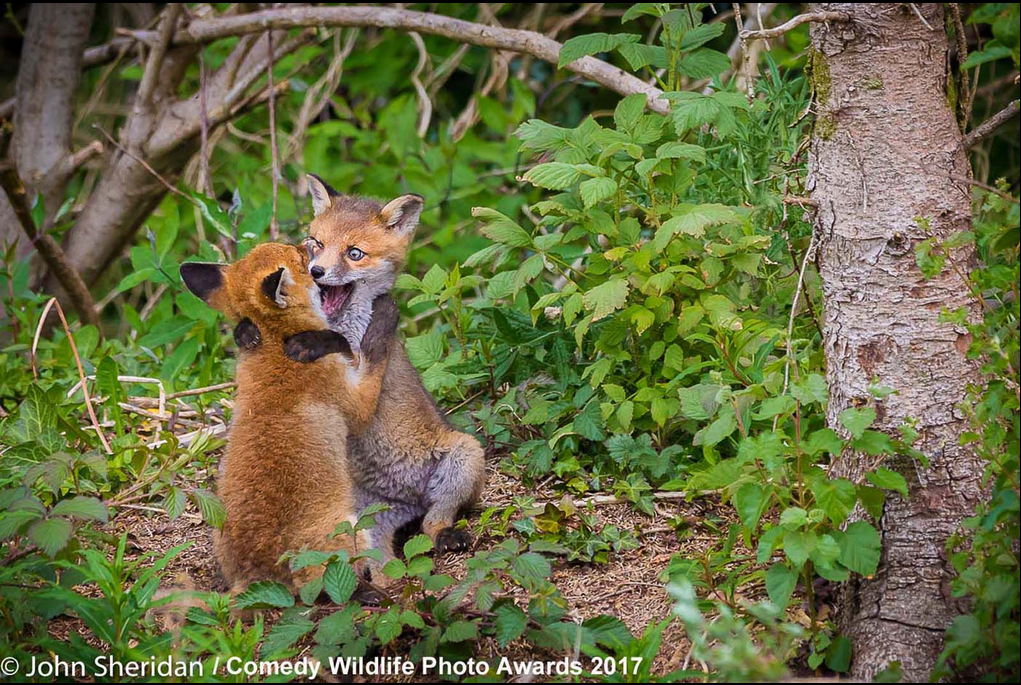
284	481
408	457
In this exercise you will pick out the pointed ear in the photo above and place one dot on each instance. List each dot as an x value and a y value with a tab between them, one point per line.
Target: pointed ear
275	285
203	279
401	214
321	193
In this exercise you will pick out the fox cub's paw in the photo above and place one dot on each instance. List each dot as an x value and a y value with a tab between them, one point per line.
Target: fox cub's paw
312	345
452	539
247	335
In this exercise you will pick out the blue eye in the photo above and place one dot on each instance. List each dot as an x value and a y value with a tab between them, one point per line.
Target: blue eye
354	254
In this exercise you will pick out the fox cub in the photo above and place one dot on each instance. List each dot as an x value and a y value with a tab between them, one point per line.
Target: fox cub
284	480
408	456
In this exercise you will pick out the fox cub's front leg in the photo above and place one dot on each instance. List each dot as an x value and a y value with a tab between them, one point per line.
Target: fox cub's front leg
454	486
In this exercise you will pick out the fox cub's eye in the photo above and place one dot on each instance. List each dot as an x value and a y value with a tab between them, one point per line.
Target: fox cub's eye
354	254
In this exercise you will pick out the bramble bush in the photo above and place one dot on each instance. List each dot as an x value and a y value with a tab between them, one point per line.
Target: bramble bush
621	320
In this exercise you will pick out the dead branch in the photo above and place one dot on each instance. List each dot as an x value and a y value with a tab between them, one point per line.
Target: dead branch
987	127
274	227
513	40
778	31
155	61
47	247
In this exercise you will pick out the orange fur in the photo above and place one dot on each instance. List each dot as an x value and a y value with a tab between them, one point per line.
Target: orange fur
284	479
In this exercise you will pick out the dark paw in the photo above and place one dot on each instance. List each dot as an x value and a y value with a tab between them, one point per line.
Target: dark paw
452	539
299	348
247	335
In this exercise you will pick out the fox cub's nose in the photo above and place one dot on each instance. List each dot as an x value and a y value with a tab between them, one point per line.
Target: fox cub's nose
317	272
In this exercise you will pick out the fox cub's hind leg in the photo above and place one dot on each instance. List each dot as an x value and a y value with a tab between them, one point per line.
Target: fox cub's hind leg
455	485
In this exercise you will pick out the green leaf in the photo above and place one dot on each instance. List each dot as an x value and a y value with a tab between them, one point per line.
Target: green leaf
265	594
338	627
606	298
693	222
700	35
780	583
511	622
553	175
83	508
339	581
629	111
50	535
838	654
591	44
798	545
502	229
459	631
395	569
284	633
719	429
679	150
835	497
532	565
595	190
389	627
209	506
749	501
703	63
889	480
420	544
857	420
860	548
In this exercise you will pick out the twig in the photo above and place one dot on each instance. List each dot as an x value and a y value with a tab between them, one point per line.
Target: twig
204	181
914	8
167	184
152	65
513	40
77	360
162	402
794	308
425	105
990	125
778	31
274	227
984	186
68	277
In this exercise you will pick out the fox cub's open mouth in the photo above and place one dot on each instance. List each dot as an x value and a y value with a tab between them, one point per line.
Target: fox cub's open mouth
334	298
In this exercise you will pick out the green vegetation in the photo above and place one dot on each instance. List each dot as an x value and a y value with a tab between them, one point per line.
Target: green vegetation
614	301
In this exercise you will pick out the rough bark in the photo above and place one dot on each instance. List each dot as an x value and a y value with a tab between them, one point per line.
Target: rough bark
48	77
885	152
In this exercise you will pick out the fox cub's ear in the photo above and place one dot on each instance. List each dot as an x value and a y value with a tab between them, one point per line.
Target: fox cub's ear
321	194
275	285
401	214
203	279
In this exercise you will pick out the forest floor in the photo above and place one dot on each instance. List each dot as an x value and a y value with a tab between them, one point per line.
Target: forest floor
630	586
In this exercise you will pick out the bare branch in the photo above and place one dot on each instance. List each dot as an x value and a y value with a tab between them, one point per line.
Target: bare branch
274	227
778	31
513	40
159	51
990	125
47	247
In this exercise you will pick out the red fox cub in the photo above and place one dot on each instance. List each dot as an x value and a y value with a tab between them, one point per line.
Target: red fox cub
408	457
284	480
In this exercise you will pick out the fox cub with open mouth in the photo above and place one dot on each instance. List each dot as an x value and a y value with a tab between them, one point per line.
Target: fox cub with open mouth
284	480
408	457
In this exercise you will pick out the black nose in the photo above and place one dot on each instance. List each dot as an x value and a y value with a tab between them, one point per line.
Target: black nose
317	271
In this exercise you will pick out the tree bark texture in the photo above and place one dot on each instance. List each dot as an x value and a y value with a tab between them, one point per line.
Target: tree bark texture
48	78
885	150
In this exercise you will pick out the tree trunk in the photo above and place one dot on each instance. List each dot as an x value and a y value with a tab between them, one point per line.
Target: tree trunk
885	154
